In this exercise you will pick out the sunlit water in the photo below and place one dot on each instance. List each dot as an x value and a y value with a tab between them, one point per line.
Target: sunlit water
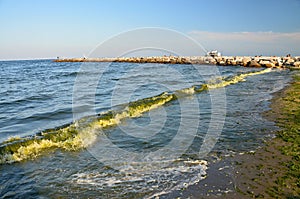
144	152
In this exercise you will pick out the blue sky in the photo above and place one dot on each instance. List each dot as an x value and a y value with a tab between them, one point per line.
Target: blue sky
46	29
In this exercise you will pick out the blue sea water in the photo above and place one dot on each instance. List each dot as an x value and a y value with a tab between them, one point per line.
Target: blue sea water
121	161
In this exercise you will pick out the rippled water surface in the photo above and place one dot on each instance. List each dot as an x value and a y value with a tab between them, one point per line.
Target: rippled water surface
124	130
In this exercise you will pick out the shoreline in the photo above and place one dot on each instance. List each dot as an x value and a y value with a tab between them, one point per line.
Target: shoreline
246	61
272	171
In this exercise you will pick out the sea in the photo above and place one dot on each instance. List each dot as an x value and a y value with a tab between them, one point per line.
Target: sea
125	130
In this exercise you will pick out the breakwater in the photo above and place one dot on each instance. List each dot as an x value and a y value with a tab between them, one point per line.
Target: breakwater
246	61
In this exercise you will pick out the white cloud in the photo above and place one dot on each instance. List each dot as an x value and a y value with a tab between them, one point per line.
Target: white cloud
250	43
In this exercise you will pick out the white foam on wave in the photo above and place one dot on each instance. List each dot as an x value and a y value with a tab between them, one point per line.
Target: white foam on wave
150	183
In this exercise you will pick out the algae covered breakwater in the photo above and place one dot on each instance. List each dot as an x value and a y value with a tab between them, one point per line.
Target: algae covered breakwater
246	61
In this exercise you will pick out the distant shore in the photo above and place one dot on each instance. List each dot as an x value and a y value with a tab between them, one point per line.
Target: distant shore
246	61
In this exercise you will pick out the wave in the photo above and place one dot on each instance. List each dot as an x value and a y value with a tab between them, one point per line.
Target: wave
83	133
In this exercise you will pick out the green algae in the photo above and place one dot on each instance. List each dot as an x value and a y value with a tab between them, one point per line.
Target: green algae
289	121
82	133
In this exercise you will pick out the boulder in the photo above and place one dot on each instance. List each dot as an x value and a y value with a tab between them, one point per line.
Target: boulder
278	63
289	62
254	64
245	61
221	63
234	63
297	64
267	64
218	59
230	61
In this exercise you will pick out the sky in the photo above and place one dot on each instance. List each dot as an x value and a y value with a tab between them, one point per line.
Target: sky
32	29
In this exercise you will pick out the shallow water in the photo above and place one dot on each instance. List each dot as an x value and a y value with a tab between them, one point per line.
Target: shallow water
146	128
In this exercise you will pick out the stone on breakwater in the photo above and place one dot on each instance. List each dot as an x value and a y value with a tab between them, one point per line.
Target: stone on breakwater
230	61
297	64
288	61
254	63
267	64
245	61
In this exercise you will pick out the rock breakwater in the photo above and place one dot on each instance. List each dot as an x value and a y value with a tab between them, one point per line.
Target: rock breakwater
246	61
